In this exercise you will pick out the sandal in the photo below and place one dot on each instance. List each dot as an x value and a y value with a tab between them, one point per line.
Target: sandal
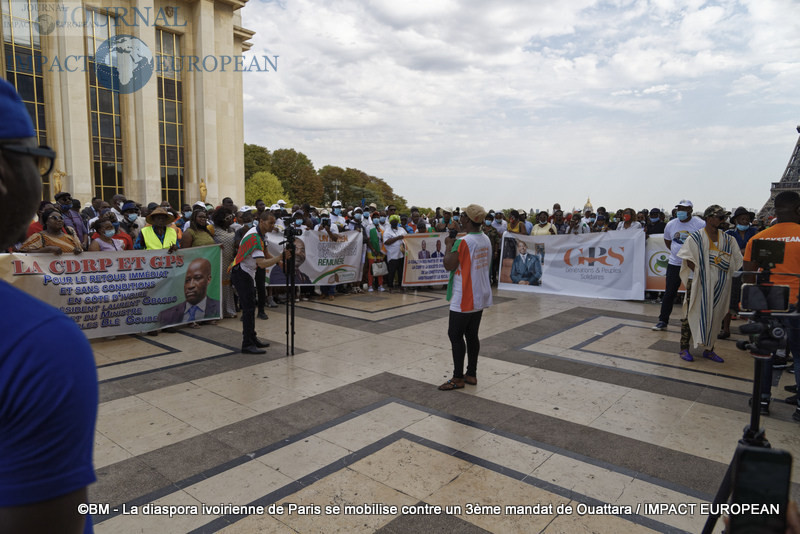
451	385
471	380
711	355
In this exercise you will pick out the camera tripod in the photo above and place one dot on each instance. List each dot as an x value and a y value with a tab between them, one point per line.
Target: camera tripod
753	436
288	270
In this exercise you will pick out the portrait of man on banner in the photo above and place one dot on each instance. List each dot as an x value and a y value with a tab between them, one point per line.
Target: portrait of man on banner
526	269
424	254
198	305
278	277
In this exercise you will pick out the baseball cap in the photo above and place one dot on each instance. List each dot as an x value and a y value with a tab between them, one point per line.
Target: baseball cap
715	210
16	122
475	213
684	204
281	202
336	204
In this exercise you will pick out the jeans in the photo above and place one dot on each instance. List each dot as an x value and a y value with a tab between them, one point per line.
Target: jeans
245	287
673	283
464	326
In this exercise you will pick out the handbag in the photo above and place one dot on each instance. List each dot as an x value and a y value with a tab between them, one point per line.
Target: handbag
379	268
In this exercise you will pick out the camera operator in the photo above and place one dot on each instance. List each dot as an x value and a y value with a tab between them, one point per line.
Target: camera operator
787	229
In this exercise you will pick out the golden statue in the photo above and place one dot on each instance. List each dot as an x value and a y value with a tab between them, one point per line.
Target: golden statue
203	191
58	177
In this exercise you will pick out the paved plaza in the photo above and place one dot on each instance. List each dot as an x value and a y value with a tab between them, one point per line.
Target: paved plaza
582	418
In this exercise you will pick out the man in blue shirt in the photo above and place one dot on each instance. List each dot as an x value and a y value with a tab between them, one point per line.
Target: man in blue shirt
48	387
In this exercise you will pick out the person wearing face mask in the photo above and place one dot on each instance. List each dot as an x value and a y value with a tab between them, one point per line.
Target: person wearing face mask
130	217
393	241
105	238
628	220
336	216
445	222
742	231
675	233
375	252
655	225
543	227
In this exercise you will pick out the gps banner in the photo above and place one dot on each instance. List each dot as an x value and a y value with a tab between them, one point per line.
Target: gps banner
319	261
424	260
657	259
126	292
604	265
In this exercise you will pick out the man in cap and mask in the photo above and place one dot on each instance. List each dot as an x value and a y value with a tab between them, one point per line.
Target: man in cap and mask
47	418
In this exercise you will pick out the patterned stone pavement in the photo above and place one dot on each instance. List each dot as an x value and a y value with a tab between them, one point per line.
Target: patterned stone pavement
582	418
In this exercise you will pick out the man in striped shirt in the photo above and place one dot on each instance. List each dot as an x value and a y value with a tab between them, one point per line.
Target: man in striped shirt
469	260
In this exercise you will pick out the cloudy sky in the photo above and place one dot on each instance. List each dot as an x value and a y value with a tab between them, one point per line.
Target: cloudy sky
523	103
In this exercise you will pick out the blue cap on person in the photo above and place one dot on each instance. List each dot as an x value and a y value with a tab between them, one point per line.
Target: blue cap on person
16	122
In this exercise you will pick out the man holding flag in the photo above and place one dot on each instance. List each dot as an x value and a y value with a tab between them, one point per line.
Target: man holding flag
252	254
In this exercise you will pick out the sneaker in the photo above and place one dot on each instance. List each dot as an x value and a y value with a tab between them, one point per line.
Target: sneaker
763	408
791	389
796	414
263	316
781	362
660	325
713	356
685	355
791	400
381	288
370	289
271	303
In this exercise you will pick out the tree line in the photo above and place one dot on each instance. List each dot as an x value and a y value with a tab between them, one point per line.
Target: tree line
287	174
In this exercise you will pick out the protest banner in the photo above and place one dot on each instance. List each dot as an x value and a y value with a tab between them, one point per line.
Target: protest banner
318	260
423	265
124	292
606	265
657	259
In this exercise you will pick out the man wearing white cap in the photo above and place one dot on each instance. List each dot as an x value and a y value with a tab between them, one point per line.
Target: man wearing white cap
675	234
336	216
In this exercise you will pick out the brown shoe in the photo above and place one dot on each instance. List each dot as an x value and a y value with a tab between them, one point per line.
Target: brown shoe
471	380
453	383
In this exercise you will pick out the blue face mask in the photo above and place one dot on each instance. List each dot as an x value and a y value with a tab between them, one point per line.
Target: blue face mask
592	220
109	233
488	222
357	216
337	211
115	225
383	220
298	222
682	215
654	219
187	214
742	227
455	217
316	220
132	217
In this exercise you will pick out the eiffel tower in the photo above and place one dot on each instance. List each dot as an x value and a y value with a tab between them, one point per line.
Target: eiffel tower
790	181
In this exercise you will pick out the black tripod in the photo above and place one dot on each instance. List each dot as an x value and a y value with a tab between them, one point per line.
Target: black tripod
753	436
288	270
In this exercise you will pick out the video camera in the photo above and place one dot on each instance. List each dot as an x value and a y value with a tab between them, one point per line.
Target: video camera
764	302
290	230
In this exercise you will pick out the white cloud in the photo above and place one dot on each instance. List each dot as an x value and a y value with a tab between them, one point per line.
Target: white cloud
551	99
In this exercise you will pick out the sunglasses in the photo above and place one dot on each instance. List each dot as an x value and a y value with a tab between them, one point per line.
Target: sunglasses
44	156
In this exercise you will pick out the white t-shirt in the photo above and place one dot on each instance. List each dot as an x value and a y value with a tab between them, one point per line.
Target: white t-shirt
249	265
677	232
501	226
395	250
634	225
469	289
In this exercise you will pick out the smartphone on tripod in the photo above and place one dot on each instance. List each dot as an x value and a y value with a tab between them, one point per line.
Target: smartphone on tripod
761	477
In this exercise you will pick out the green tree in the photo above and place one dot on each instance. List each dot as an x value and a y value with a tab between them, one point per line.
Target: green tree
265	186
256	159
298	176
329	174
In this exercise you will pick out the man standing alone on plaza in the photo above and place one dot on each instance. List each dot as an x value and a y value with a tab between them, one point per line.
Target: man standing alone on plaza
468	259
675	234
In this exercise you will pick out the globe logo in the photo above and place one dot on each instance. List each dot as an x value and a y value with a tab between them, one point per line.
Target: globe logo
124	63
